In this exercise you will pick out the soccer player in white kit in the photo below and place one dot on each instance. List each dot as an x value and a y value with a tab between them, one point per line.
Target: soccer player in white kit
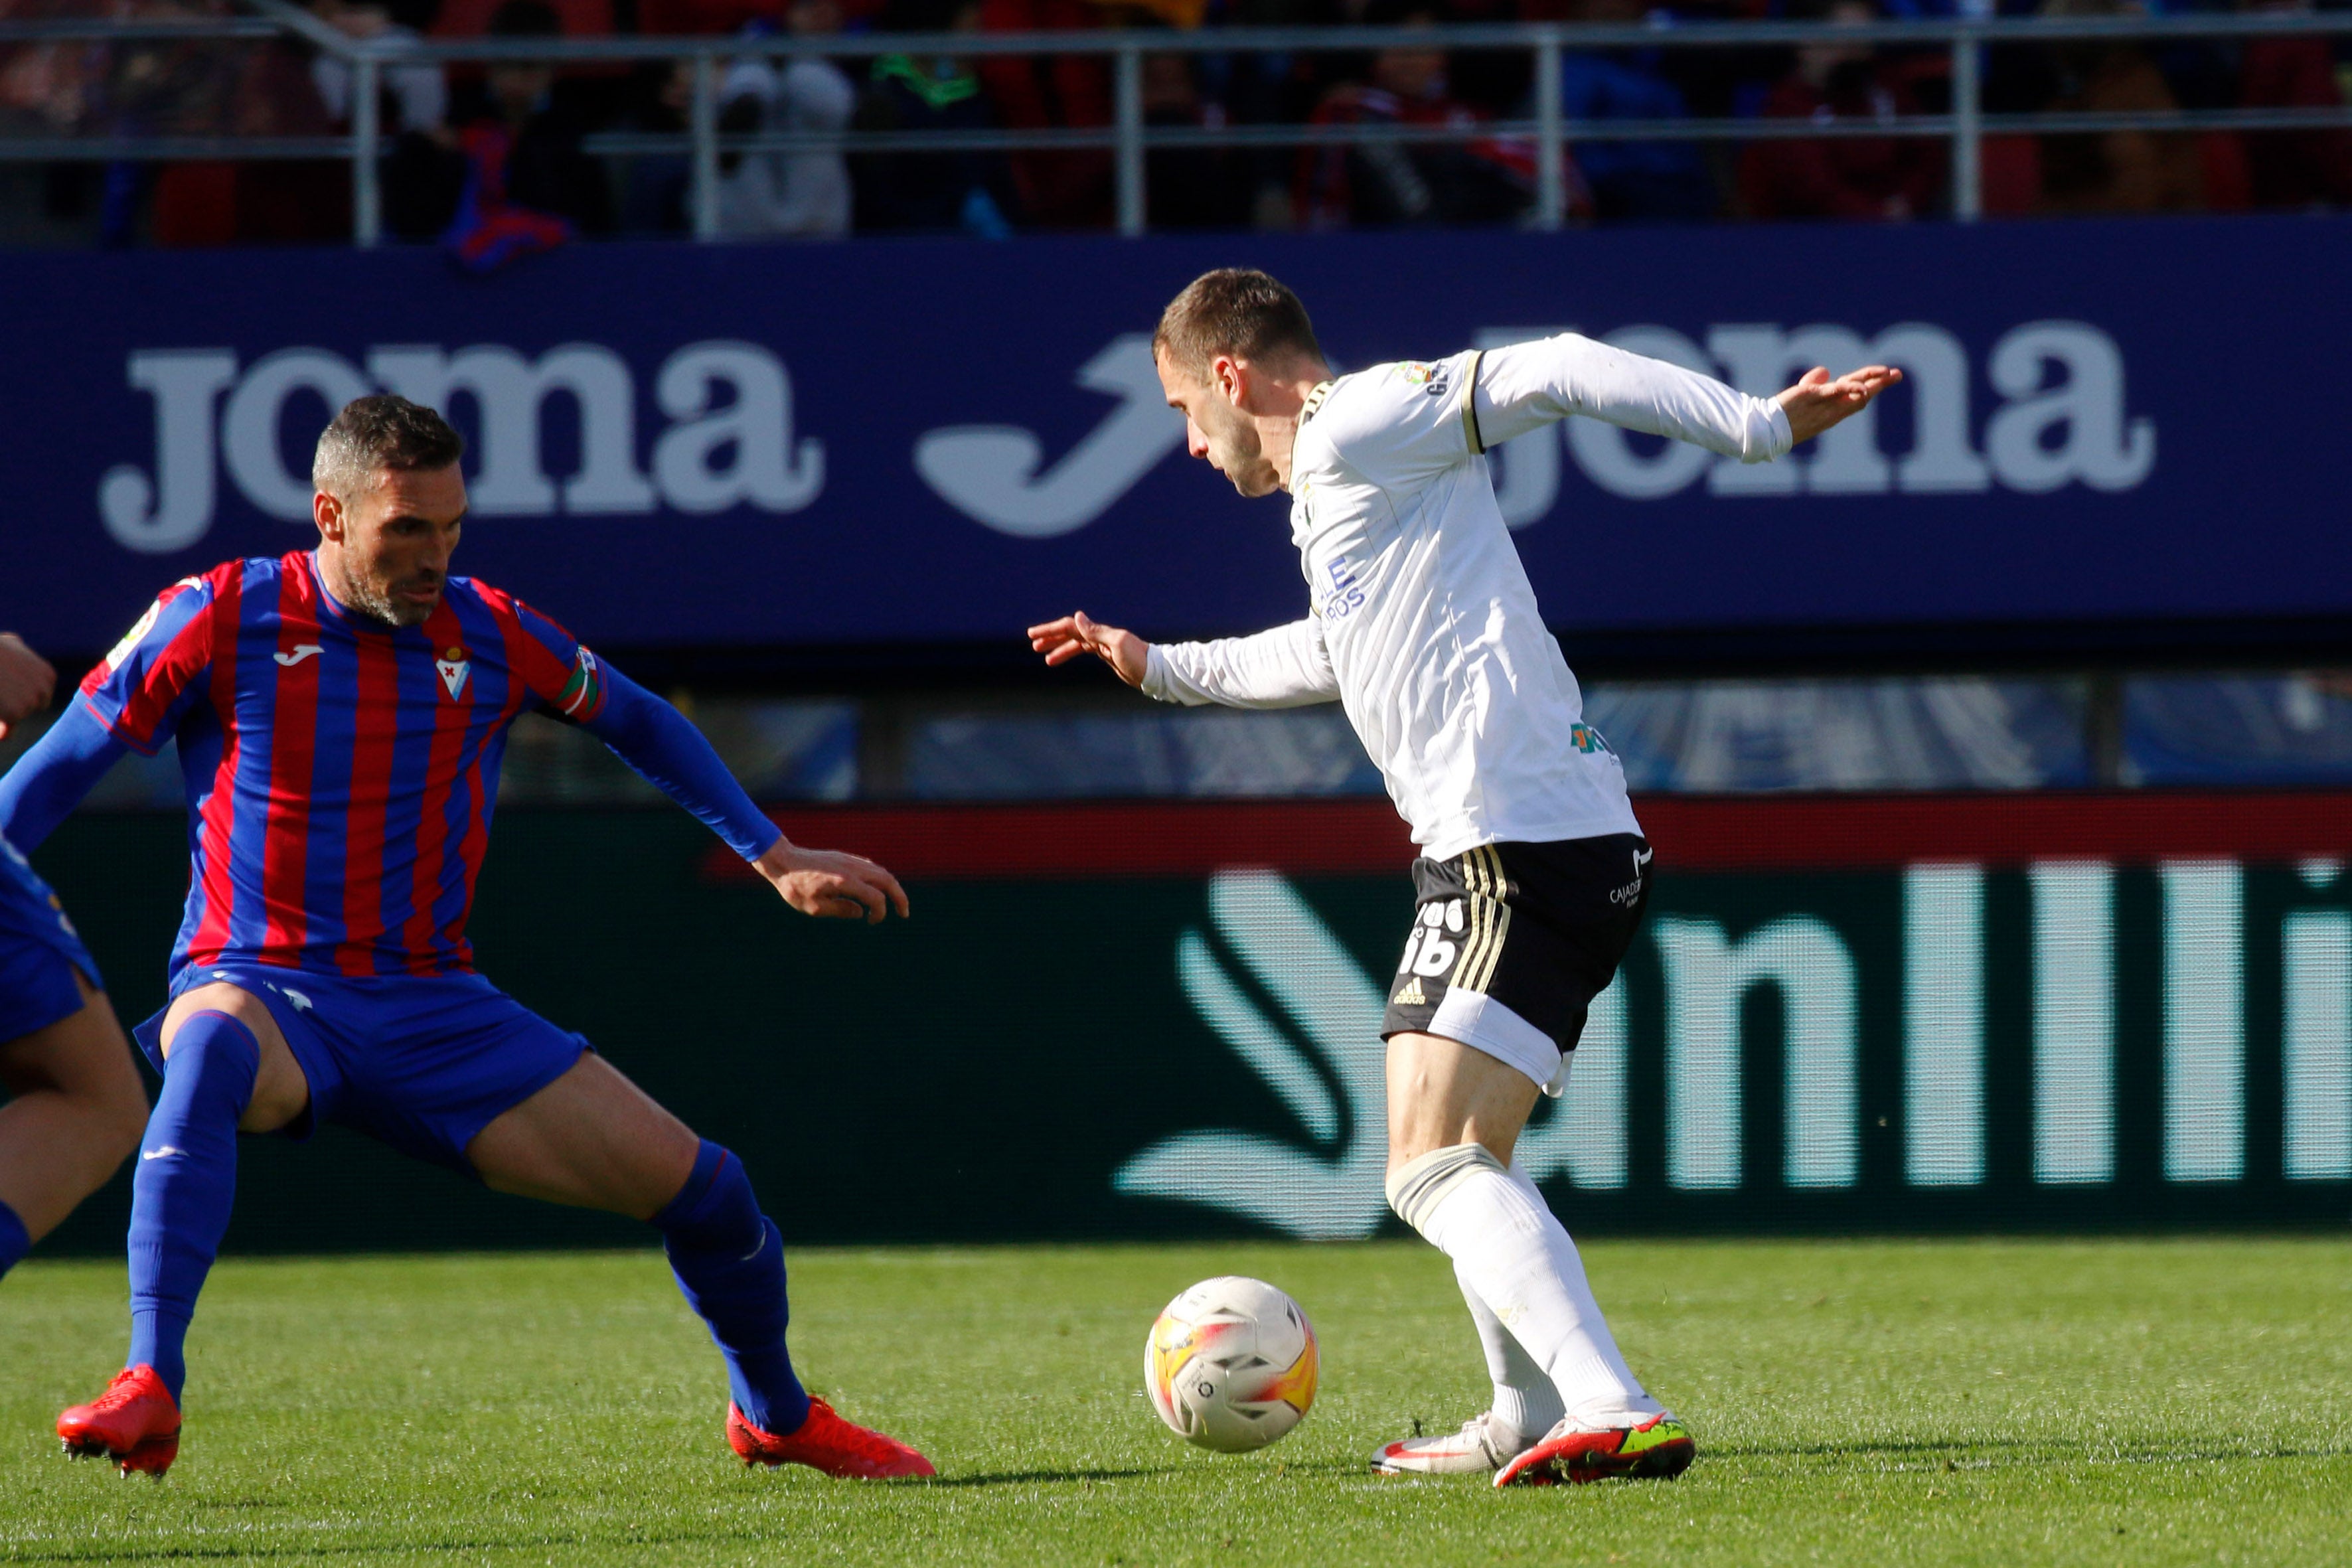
1533	871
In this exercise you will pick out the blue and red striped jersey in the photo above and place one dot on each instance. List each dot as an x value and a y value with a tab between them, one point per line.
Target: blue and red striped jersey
340	773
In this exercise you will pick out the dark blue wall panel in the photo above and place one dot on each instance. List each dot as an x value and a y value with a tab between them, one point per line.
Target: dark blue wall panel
870	442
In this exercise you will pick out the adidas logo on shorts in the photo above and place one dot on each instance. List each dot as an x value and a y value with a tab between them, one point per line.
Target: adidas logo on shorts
1412	995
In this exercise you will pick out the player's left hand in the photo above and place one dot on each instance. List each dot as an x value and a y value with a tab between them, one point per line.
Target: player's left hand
26	681
832	885
1819	400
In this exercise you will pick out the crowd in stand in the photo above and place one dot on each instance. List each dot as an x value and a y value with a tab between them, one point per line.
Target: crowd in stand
499	159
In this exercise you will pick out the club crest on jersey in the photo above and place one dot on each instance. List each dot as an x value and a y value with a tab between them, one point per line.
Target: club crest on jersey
1430	378
454	666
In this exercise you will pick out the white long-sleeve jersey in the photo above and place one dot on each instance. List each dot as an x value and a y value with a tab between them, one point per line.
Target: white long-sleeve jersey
1422	622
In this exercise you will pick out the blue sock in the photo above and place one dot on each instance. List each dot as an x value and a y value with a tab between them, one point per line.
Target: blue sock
15	1241
180	1195
729	1260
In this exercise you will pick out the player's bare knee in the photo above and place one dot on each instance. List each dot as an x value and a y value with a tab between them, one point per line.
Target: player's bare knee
1418	1186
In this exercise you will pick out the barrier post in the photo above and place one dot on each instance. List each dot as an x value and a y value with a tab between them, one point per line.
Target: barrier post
1967	128
705	148
367	190
1551	157
1129	106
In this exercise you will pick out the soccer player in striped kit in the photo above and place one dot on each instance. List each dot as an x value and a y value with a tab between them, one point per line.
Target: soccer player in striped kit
1533	871
75	1106
341	715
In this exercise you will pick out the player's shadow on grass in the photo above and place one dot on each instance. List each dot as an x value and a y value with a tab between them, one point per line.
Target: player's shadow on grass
1015	1478
1990	1452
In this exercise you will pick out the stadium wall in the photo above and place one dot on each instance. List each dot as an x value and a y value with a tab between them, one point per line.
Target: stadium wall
1881	1014
956	439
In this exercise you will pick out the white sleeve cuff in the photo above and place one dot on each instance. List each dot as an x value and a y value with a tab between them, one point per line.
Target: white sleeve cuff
1780	439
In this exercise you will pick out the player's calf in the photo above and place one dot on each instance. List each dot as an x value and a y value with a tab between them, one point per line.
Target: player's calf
135	1422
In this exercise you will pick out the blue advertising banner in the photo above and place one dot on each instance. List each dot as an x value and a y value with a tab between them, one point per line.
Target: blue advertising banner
683	447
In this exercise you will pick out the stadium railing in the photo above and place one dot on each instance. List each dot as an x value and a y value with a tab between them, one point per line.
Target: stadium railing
1128	138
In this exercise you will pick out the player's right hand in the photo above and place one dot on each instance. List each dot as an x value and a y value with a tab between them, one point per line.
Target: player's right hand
1063	640
26	681
832	885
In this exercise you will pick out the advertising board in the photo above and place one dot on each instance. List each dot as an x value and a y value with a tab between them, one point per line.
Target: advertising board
1896	1014
914	441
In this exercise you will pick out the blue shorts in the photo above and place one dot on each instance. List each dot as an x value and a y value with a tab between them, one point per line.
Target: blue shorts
39	951
422	1063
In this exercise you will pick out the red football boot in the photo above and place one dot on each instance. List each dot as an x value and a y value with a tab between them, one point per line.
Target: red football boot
1658	1450
135	1422
842	1449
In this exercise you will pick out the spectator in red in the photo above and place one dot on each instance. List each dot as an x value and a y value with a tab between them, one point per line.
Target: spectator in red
1848	177
2122	170
2294	168
1058	188
1475	181
528	186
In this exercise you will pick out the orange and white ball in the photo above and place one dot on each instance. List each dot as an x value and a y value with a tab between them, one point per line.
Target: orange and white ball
1232	1365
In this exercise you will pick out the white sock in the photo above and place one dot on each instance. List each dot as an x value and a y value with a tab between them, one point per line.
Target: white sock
1527	1404
1515	1256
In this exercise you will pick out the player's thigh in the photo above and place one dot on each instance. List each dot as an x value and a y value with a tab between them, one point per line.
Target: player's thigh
1442	1093
85	1057
280	1093
592	1139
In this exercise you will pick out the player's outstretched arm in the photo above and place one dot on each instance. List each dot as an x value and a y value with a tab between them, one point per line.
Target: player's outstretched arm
665	747
1819	400
54	774
26	683
1287	667
1063	640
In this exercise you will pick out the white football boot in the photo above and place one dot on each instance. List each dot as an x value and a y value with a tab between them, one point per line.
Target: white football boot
1482	1445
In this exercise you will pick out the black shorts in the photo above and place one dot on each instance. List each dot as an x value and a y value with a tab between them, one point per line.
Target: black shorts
1513	942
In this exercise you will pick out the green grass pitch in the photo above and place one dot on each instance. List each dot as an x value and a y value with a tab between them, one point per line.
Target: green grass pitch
1998	1402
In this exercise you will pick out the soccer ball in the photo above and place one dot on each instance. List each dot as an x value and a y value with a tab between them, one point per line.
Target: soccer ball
1231	1364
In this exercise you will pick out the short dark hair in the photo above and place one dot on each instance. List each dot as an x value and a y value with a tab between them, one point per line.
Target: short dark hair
374	434
1235	310
525	19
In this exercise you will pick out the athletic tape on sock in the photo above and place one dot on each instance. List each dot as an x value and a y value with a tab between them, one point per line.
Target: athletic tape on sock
1416	1187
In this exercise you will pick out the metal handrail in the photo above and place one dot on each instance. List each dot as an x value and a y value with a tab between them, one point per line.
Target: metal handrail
1129	139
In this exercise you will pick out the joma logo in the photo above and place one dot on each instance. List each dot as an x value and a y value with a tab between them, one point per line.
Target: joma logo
728	443
2062	419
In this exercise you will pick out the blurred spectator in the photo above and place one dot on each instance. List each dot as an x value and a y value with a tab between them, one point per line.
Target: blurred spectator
928	191
266	91
1851	177
1474	181
788	193
1189	188
418	94
421	177
2118	171
1639	180
1058	187
476	18
522	137
658	190
2294	168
